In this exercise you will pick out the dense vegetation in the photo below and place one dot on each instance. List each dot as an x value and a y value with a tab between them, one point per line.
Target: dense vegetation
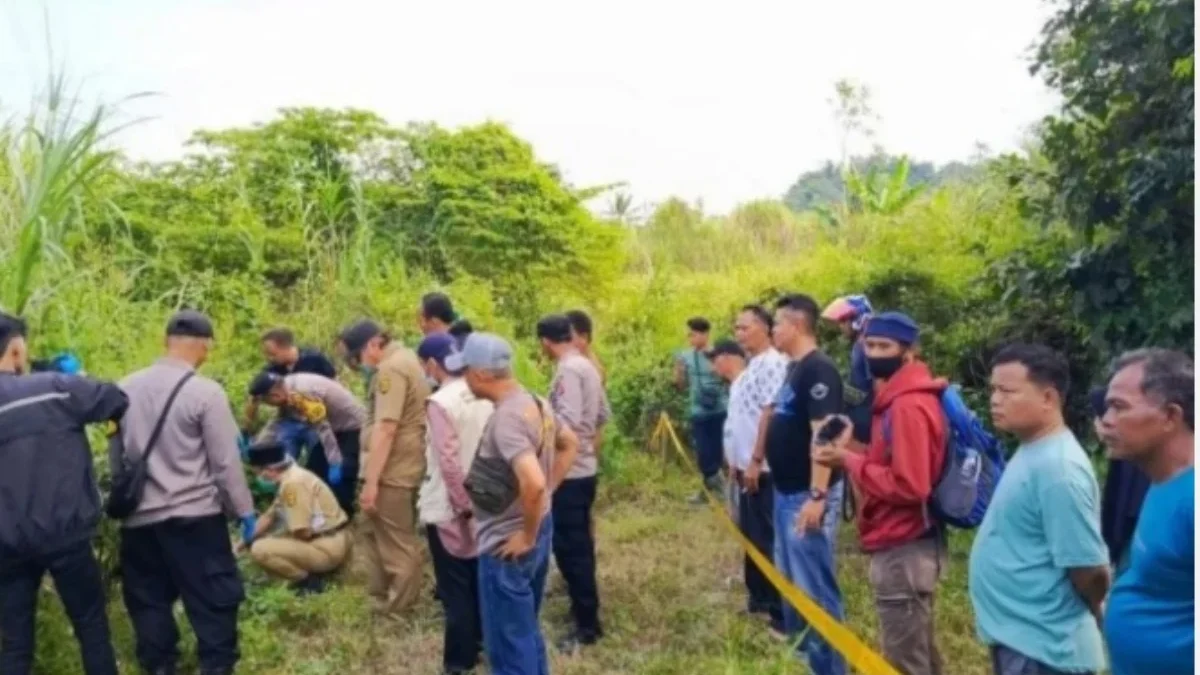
322	215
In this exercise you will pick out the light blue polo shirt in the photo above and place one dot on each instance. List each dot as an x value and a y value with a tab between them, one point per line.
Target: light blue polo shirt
1043	520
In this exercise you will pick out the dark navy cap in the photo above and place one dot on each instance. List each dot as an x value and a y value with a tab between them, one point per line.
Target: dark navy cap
437	346
266	453
726	348
896	326
358	334
263	383
190	323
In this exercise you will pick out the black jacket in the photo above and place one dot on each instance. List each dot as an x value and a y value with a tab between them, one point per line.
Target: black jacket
48	493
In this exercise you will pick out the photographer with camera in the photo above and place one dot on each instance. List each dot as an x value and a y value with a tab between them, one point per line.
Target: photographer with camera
48	477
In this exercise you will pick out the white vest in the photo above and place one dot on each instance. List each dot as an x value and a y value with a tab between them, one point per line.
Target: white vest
469	415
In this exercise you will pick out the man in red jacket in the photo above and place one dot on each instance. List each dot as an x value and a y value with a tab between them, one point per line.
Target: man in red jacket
895	478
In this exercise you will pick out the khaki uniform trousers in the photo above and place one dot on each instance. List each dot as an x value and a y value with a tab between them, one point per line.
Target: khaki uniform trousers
392	550
294	559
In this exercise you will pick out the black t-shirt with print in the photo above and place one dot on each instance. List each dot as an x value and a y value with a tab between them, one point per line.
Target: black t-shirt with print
812	390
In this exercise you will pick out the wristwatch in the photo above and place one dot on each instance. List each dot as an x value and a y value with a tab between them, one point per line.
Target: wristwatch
816	494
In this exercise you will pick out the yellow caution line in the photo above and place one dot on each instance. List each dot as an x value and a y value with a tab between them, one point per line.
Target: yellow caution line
857	654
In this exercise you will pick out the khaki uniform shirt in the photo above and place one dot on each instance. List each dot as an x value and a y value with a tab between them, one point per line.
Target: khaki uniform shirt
398	391
305	502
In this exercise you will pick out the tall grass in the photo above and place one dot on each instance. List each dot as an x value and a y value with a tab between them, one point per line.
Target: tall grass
50	157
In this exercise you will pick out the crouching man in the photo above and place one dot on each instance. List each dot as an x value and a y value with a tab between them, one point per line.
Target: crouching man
303	536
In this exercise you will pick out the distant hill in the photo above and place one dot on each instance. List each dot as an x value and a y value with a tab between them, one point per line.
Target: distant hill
825	185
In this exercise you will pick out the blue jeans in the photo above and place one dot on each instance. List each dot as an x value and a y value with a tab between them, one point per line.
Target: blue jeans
295	436
510	597
707	439
807	561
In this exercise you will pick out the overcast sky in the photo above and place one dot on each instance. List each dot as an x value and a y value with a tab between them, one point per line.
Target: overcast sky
724	104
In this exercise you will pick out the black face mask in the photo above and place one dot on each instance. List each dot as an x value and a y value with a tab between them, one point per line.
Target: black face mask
885	367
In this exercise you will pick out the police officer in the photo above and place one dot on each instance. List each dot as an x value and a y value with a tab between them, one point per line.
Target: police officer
303	536
394	438
331	411
284	357
52	503
577	397
176	544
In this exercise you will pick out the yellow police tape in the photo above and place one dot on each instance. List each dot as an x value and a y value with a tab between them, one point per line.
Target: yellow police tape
857	654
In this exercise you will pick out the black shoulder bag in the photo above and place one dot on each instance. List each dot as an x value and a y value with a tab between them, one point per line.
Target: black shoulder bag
491	483
129	481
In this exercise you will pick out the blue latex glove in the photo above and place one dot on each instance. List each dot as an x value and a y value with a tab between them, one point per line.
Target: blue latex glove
67	363
335	474
244	445
249	524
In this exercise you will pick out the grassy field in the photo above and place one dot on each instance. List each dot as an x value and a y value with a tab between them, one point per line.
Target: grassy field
670	586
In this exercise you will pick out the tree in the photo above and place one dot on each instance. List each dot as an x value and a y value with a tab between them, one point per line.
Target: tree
1121	174
479	203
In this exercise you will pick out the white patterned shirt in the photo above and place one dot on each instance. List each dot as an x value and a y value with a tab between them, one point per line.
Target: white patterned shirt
749	395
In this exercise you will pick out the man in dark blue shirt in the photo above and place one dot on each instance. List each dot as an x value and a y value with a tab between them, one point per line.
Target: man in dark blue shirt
1150	421
284	358
851	314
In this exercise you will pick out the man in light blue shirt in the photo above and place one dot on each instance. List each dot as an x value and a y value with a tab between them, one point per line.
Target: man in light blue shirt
1039	567
1150	421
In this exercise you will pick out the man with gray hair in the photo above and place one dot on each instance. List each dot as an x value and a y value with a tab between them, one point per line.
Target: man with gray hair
176	545
523	456
1150	421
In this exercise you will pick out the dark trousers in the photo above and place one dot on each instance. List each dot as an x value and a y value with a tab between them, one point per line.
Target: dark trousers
756	511
707	436
1007	661
188	558
348	443
458	589
575	552
77	578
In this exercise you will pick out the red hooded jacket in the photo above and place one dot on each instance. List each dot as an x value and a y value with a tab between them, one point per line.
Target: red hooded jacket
895	482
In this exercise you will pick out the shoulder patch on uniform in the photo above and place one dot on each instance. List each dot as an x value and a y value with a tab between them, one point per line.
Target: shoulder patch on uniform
819	391
310	408
383	383
288	496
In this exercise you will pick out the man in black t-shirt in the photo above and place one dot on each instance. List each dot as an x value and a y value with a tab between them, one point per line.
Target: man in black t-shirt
284	358
807	495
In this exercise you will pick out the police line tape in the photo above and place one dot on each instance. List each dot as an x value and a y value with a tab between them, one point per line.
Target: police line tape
857	653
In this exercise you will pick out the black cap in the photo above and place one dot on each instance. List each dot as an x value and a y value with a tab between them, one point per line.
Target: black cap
263	383
189	323
556	328
358	334
266	453
726	347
